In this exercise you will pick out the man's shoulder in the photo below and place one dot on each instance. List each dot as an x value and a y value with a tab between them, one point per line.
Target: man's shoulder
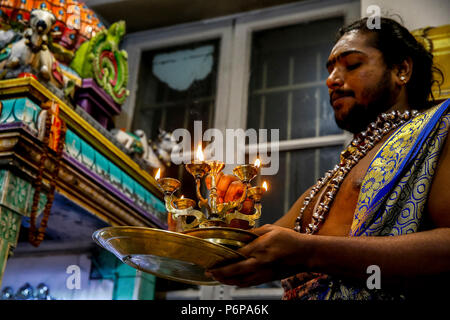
438	204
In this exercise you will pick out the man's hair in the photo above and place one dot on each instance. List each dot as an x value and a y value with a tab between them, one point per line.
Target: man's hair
396	44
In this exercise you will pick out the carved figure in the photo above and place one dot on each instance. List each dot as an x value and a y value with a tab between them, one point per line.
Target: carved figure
148	155
164	146
130	141
32	50
75	22
34	39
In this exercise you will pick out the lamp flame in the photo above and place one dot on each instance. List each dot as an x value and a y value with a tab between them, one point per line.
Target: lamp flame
265	186
182	197
257	163
199	154
158	174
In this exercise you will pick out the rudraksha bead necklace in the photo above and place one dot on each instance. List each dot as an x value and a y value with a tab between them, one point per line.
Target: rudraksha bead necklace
356	150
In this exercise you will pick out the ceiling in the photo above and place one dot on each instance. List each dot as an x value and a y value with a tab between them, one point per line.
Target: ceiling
149	14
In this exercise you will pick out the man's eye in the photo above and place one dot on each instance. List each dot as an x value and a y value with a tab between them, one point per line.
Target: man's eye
353	66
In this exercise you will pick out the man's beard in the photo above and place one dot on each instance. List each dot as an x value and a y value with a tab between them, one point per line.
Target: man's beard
360	116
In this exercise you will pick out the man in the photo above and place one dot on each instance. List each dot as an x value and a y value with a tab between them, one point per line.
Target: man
392	180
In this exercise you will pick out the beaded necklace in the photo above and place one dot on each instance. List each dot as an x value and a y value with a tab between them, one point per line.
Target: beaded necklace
356	150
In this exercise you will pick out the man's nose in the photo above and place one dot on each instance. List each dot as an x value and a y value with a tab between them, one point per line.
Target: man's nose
335	79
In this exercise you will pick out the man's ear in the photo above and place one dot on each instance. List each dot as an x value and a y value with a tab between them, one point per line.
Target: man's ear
403	72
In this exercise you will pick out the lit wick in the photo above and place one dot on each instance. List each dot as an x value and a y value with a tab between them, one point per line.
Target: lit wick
158	174
265	186
199	154
257	163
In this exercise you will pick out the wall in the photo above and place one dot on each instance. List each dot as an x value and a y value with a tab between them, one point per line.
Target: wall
416	14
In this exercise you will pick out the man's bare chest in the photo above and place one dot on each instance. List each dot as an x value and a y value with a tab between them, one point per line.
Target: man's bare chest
339	218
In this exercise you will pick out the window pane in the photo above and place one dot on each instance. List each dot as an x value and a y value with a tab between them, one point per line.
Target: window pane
288	80
304	108
275	118
298	171
176	86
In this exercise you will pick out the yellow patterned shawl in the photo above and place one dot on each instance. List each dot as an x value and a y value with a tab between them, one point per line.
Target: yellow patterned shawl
395	188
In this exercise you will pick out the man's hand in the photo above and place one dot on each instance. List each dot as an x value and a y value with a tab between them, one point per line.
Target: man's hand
276	254
230	188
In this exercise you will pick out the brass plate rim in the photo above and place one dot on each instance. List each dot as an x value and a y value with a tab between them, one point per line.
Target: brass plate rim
103	237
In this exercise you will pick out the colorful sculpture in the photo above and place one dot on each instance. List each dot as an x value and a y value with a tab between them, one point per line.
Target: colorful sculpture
32	51
101	59
75	23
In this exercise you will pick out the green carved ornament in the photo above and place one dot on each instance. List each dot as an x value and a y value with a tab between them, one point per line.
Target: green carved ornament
101	59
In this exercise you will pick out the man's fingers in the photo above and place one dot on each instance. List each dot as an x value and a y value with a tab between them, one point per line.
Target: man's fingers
251	247
249	279
243	274
232	270
263	230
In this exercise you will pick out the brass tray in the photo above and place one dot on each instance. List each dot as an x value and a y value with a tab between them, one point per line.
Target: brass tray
229	237
165	254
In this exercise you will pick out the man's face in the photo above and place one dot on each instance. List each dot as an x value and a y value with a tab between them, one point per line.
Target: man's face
359	83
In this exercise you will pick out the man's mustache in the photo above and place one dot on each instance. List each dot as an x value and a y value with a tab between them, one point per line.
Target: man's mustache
339	93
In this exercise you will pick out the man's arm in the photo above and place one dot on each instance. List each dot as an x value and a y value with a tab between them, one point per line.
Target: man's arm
407	260
438	204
